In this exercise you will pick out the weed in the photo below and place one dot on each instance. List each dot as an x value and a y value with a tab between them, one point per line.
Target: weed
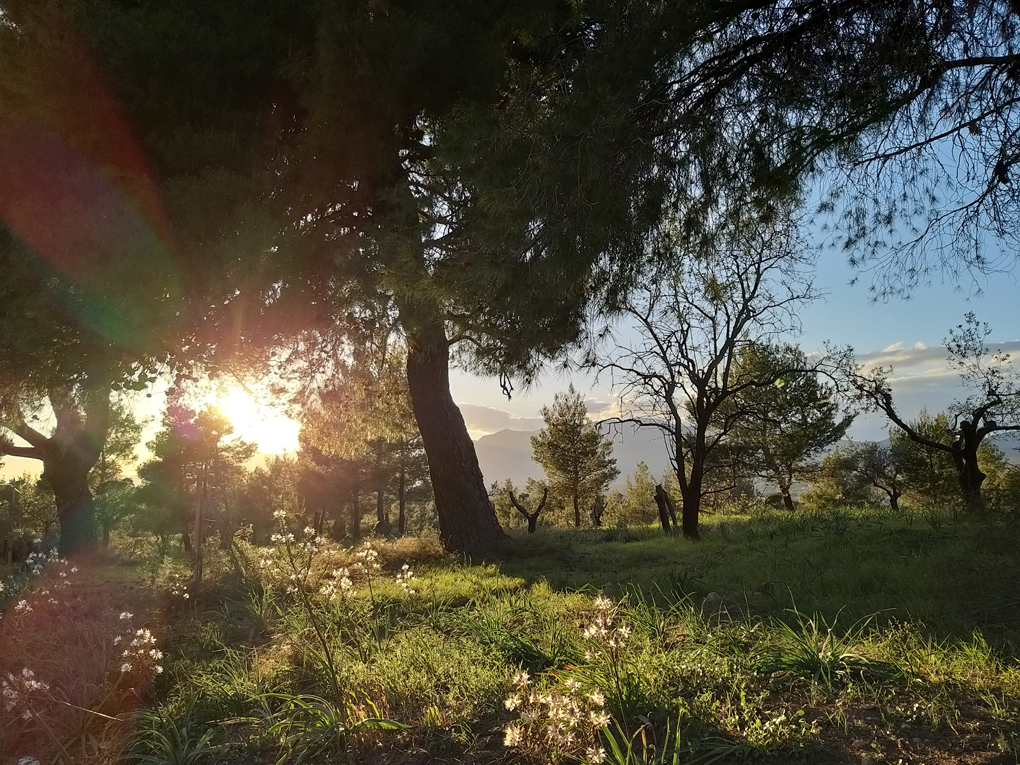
159	739
810	648
310	727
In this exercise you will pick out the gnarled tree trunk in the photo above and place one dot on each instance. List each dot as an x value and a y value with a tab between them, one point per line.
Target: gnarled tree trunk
784	490
467	522
67	455
77	513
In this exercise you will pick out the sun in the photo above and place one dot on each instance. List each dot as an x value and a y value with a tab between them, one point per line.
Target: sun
261	423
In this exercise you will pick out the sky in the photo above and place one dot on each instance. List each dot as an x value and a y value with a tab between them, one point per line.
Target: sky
907	334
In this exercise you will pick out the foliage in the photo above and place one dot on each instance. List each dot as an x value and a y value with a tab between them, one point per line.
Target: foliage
359	434
993	405
117	456
312	727
636	507
576	456
695	314
162	740
194	463
782	429
930	475
30	511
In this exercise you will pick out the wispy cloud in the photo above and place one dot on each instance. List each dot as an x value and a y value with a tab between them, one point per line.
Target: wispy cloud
899	355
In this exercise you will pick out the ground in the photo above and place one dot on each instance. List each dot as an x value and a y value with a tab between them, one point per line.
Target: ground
836	637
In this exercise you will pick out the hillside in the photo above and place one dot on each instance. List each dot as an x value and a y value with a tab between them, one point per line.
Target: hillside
507	454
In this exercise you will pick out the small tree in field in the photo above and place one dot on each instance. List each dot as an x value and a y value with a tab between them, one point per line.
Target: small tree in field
929	475
576	457
992	407
694	316
784	427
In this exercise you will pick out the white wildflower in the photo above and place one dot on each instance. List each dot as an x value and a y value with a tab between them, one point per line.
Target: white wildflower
513	734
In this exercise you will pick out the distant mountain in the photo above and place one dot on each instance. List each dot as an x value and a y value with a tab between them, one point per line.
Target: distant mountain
507	454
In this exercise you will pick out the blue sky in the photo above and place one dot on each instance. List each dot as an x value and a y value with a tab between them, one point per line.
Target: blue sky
904	333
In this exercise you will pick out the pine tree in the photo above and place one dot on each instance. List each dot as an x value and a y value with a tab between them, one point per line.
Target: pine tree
783	424
576	457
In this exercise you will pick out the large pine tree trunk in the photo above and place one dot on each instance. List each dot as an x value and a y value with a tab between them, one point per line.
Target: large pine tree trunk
467	522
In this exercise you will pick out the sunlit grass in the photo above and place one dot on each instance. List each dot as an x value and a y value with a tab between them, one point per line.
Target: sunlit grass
775	636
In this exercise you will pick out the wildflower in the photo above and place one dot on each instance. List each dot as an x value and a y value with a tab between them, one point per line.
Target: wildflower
23	607
599	719
158	670
596	755
125	615
512	701
125	667
520	679
116	640
596	698
513	734
406	578
368	559
602	603
280	515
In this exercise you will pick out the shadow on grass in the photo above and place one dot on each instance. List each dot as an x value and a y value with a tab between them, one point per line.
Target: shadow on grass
951	577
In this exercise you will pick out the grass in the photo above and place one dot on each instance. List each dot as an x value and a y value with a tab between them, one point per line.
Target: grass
856	563
828	637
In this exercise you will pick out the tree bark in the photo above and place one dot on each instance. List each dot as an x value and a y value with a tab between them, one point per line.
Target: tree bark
467	522
67	457
402	502
75	507
355	515
660	501
691	494
691	510
577	512
532	517
970	475
784	489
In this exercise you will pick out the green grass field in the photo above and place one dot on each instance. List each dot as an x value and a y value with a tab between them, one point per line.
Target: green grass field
839	637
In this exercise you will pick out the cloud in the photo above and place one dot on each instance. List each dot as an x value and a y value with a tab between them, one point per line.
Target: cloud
482	420
898	355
